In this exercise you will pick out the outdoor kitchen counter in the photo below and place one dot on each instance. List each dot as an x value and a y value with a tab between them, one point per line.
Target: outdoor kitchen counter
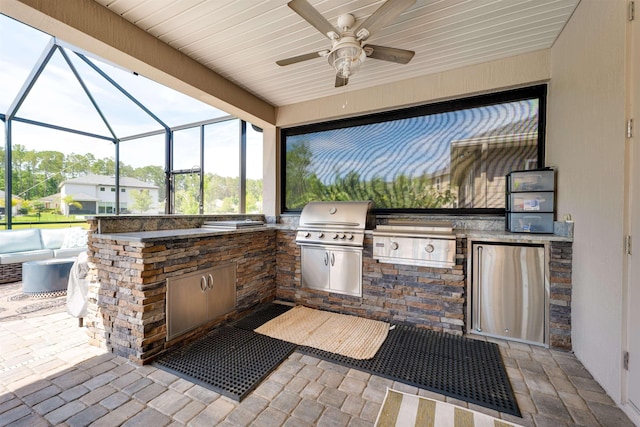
513	237
503	236
131	273
187	233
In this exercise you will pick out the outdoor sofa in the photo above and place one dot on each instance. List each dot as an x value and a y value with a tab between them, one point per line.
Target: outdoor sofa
18	246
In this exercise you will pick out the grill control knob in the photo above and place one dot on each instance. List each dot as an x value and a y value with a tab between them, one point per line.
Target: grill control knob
342	237
320	235
335	236
307	234
394	246
429	248
350	237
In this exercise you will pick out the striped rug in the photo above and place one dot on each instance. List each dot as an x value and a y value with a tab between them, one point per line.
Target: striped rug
407	410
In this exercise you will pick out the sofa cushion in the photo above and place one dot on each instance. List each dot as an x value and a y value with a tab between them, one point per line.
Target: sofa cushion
26	256
75	237
53	238
20	241
69	252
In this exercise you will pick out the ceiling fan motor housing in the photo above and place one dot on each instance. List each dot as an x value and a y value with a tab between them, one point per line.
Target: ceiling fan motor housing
346	21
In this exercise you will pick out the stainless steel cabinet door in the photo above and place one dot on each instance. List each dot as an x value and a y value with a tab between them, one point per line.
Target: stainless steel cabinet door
200	297
509	291
346	271
222	290
315	270
186	303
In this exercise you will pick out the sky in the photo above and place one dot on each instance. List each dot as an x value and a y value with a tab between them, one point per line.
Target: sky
412	147
58	98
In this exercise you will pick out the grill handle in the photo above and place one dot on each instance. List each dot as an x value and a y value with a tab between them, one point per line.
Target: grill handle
333	259
326	258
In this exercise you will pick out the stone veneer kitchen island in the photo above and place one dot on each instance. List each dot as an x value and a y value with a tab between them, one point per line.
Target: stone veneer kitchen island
131	258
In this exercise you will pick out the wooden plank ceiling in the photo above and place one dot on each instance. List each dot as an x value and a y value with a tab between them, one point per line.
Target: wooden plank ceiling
242	39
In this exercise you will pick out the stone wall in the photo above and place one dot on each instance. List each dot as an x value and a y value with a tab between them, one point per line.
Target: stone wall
128	289
128	286
426	297
560	266
433	298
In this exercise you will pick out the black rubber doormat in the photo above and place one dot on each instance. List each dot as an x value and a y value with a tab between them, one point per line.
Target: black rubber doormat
229	360
464	368
261	316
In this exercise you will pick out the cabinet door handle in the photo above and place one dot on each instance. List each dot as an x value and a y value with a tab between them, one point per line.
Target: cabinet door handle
210	282
326	258
479	288
203	283
333	258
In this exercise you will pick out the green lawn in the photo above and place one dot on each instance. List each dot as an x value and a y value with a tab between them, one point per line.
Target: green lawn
45	220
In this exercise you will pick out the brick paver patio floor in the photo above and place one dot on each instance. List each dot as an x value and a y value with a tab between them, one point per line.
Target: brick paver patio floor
50	376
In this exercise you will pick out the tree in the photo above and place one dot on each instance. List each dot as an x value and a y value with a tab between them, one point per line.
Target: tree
76	165
298	162
104	167
69	201
152	175
141	200
229	206
186	191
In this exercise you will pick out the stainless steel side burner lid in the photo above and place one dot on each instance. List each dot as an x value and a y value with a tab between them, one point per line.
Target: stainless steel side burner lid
429	244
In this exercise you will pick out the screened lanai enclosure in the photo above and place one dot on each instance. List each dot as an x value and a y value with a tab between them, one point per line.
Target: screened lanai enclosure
84	137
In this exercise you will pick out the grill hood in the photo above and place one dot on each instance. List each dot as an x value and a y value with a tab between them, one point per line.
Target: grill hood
353	216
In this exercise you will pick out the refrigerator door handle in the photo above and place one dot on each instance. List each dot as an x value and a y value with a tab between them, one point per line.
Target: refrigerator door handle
479	290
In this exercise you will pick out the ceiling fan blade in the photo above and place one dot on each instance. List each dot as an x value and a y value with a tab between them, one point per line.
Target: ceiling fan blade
341	81
391	54
386	13
312	16
299	58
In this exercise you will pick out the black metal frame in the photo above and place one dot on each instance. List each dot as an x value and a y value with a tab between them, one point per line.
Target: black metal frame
37	70
537	91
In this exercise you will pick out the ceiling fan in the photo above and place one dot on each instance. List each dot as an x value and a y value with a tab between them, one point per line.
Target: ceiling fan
348	50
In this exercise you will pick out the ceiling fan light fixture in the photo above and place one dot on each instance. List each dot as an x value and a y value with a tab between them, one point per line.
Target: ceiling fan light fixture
346	60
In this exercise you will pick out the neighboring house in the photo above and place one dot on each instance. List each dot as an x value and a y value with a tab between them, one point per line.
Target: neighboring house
480	176
97	195
441	181
52	202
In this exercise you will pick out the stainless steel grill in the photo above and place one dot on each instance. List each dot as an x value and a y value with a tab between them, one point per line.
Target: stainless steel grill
331	236
430	244
335	223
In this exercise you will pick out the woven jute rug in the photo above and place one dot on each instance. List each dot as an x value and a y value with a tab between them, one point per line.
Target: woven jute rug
349	336
408	410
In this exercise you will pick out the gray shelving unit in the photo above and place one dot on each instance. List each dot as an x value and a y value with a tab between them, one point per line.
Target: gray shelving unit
530	201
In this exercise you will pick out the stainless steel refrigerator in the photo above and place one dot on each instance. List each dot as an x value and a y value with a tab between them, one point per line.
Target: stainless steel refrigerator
508	291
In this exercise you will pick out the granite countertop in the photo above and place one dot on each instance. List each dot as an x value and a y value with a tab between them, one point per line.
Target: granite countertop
501	235
506	235
159	235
